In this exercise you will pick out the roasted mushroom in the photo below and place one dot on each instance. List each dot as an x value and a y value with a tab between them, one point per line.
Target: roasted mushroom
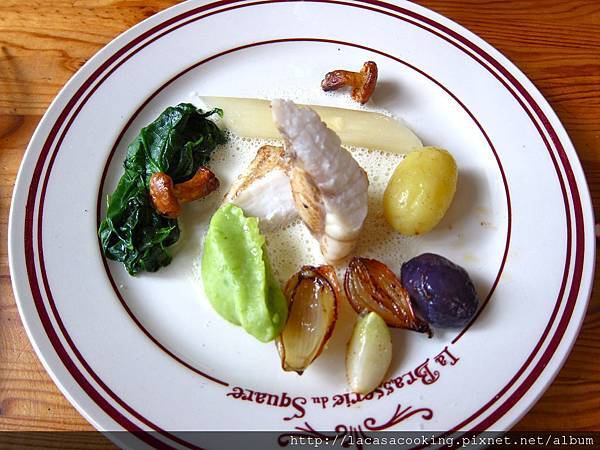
167	197
162	195
362	83
200	185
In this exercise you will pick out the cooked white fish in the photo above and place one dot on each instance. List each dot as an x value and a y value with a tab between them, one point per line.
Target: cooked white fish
328	185
264	190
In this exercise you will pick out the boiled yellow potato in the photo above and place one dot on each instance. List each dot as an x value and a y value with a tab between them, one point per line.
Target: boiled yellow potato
420	191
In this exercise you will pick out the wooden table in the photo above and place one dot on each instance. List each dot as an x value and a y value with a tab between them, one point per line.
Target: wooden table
42	43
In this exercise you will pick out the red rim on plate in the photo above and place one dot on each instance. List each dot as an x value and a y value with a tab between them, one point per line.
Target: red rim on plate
101	189
103	396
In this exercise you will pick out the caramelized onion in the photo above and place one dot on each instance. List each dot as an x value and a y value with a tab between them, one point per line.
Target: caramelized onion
312	294
371	286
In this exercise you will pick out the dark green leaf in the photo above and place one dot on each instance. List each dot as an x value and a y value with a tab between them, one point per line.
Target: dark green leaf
177	143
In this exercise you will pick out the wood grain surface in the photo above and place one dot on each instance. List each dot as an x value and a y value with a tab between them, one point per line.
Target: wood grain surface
42	43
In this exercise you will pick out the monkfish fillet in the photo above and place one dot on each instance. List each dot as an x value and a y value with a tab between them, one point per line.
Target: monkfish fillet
328	185
264	190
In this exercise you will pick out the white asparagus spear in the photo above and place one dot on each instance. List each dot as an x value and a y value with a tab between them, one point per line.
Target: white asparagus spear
250	117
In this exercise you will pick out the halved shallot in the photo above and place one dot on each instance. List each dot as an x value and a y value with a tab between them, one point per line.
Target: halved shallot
312	294
371	286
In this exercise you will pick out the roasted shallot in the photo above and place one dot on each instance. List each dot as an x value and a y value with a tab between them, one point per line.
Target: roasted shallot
371	286
312	294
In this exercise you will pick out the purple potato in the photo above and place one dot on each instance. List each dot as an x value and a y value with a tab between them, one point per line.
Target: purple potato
441	291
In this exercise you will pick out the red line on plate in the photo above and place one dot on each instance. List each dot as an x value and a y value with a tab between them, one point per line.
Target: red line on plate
580	251
277	41
28	244
561	182
28	241
35	289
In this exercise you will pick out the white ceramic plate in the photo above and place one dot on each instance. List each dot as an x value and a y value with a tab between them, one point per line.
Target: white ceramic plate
149	354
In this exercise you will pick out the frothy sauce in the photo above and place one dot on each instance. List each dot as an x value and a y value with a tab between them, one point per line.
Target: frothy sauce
292	247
